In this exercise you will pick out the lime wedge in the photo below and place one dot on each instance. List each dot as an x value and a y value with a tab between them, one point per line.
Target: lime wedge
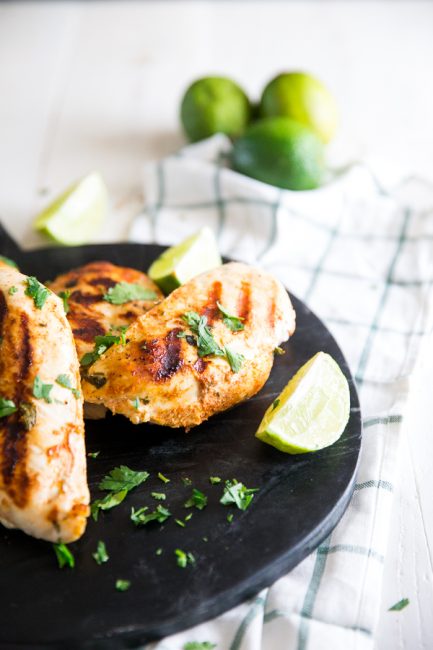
312	411
178	264
77	214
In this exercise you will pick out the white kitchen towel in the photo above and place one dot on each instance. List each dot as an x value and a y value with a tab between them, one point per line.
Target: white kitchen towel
359	253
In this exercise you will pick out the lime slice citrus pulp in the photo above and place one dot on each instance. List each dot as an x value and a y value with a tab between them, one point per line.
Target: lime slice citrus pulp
311	412
76	214
181	263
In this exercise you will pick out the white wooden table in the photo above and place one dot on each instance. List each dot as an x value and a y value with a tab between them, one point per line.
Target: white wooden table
97	86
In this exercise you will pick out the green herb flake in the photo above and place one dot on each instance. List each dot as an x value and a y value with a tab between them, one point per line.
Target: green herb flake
136	403
140	517
404	602
158	551
234	358
230	518
12	290
188	517
65	295
234	323
197	500
37	291
180	523
159	496
214	480
206	344
275	403
100	555
101	345
8	261
199	645
7	406
236	493
122	585
64	556
93	454
183	559
205	539
41	390
122	478
122	332
279	351
186	481
65	381
163	478
111	500
126	292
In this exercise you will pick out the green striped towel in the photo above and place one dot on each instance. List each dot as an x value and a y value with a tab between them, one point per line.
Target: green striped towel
360	255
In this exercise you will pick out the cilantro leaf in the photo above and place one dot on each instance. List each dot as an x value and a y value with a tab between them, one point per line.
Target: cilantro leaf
122	585
180	523
404	602
127	291
197	500
93	454
102	344
214	480
8	261
12	290
234	358
65	381
7	406
234	323
183	558
37	291
64	556
140	518
163	478
122	478
110	500
237	493
199	645
230	518
64	295
41	390
159	496
100	555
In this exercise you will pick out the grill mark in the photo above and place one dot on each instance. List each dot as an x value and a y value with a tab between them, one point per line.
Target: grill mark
3	312
271	310
15	478
211	310
85	298
130	314
244	302
86	329
103	282
162	357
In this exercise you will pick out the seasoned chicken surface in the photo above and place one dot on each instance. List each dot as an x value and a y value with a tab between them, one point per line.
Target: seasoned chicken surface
89	313
43	486
161	374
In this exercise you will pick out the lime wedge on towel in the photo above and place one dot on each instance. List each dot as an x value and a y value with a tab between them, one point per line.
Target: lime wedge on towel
77	214
311	412
181	263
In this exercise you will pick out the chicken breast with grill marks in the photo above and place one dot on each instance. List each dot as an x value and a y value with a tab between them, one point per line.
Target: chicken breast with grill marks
43	486
89	313
161	376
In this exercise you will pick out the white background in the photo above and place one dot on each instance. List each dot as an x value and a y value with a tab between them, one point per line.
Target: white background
97	86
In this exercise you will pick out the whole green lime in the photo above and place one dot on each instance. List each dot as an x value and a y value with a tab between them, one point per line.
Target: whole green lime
303	98
214	105
282	152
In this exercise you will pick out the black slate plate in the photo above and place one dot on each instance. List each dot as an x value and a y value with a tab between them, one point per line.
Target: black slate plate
301	499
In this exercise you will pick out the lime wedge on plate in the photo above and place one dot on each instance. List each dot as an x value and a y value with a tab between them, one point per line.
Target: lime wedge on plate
77	214
312	411
181	263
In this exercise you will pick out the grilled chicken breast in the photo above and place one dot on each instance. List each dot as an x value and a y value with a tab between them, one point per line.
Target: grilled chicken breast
159	375
43	486
89	313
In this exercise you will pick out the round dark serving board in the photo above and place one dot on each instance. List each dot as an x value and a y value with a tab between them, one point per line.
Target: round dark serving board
300	500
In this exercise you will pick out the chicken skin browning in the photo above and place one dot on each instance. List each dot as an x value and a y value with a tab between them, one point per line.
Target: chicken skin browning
161	374
89	313
43	486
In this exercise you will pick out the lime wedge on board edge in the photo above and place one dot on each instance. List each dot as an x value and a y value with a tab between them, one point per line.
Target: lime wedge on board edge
179	264
311	412
77	214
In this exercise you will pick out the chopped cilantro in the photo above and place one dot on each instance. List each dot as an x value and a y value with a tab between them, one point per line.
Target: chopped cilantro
214	480
180	523
206	343
8	261
100	555
126	292
65	381
102	344
199	645
234	358
275	403
64	556
279	351
136	403
230	518
234	323
12	290
28	415
140	518
163	478
93	454
159	496
404	602
7	406
158	551
188	517
37	291
110	500
186	481
197	500
65	295
122	478
236	492
122	585
122	332
41	390
183	558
